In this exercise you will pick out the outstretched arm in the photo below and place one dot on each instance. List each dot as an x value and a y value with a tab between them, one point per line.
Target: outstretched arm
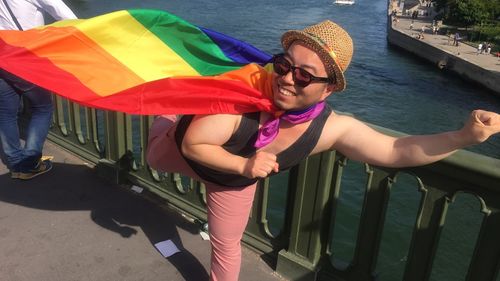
360	142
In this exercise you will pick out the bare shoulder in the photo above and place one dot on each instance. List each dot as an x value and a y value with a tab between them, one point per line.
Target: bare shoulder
218	119
337	124
335	127
215	128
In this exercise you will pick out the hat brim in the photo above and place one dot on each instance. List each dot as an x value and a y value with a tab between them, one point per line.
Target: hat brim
330	64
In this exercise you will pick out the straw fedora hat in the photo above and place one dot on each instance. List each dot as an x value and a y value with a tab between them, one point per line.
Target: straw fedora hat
332	44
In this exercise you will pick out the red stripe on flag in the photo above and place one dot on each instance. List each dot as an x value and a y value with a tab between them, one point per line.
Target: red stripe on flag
72	51
35	69
186	96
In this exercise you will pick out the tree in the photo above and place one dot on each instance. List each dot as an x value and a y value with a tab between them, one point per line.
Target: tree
441	5
493	8
468	12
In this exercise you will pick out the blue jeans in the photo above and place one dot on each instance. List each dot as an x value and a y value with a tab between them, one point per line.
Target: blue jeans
16	157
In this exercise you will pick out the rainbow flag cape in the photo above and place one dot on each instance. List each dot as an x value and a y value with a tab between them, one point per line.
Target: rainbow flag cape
141	62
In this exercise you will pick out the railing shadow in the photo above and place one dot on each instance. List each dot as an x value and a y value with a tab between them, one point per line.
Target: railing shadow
75	188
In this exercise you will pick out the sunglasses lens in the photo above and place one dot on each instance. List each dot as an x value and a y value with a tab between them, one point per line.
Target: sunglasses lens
301	77
281	66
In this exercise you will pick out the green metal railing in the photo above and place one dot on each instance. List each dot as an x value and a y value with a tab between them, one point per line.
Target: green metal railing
303	248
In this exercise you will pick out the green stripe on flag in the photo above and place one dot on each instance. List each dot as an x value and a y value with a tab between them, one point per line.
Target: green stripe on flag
187	40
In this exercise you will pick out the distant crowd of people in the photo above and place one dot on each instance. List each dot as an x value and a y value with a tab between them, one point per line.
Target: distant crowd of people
484	48
434	29
416	13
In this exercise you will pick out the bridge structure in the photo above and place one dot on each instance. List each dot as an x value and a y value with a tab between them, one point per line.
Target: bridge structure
298	237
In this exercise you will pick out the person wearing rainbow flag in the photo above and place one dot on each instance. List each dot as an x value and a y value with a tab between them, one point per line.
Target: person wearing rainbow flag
245	119
230	152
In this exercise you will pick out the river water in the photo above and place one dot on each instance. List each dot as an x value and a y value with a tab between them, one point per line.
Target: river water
385	86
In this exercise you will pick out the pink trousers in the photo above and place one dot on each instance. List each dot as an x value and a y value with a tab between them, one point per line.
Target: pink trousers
228	208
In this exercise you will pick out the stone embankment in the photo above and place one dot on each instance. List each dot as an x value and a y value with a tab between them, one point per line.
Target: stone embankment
439	49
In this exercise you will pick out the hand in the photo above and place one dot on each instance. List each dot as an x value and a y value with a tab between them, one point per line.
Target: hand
260	165
480	126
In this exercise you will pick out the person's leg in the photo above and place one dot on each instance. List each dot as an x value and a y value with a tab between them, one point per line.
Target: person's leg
228	211
40	102
9	131
228	208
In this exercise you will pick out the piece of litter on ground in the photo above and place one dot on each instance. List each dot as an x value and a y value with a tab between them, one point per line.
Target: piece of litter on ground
137	189
167	248
204	235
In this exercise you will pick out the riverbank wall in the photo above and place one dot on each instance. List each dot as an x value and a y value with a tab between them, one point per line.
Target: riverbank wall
444	59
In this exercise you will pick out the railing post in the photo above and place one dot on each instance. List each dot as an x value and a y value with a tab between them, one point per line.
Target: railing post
484	264
69	135
309	218
430	220
371	225
114	165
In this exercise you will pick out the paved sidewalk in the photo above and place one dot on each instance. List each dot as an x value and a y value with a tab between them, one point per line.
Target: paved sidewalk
69	225
464	51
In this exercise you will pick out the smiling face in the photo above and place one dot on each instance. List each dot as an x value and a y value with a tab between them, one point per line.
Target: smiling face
289	96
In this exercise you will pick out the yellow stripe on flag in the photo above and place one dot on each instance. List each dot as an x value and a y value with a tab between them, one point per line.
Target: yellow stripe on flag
152	59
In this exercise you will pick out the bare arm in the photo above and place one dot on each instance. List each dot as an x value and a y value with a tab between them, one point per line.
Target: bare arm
203	143
359	142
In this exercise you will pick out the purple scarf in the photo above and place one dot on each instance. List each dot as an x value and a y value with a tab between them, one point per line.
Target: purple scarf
270	129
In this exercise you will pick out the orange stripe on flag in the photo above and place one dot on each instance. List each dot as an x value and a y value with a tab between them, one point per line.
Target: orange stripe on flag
85	61
253	75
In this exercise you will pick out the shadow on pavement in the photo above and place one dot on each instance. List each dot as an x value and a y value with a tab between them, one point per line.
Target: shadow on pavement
75	187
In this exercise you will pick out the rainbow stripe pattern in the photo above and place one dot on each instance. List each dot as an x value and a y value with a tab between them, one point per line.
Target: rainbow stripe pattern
141	62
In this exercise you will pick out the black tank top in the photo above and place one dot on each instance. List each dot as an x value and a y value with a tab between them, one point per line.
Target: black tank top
242	142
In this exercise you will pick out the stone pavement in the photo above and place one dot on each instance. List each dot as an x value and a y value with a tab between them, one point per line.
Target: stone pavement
464	51
69	225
